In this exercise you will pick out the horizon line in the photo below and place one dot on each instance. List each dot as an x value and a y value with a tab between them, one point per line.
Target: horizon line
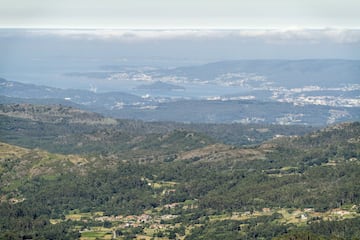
176	28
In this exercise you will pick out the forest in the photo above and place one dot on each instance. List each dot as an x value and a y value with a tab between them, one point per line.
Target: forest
70	174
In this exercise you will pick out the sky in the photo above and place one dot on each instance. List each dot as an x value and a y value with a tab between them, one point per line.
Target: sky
180	14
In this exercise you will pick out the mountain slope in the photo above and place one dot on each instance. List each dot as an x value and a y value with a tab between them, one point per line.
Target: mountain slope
172	179
18	165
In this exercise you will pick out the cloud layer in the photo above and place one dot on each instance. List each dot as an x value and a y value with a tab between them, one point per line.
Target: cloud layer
270	36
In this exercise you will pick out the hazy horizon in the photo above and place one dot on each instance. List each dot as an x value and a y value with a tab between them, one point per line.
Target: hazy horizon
42	41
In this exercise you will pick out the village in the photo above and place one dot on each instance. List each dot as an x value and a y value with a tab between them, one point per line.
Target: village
156	225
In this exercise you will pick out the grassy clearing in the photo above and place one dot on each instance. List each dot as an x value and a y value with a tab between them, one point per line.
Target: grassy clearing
75	215
163	184
143	237
95	235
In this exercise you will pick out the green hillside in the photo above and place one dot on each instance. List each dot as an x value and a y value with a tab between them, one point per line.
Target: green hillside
90	177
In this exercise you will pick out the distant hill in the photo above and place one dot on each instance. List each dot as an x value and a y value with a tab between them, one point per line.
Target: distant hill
285	73
161	86
240	111
284	111
65	126
53	114
81	97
